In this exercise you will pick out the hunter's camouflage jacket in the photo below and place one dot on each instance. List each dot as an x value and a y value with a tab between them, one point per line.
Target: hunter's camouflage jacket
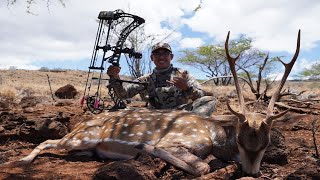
159	93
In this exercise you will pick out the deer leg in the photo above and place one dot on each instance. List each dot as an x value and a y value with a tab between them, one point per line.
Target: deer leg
28	159
169	157
114	150
185	155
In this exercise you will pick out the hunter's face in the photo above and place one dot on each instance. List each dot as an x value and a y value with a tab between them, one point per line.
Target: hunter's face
162	58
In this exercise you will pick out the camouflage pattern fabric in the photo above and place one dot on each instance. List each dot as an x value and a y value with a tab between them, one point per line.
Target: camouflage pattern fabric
161	94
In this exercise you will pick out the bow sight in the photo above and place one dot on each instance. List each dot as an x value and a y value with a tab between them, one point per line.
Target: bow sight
109	19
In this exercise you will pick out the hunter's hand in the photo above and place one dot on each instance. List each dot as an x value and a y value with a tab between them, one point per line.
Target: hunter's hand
180	82
113	71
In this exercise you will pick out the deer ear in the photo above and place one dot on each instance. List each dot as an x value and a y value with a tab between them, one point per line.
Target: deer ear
224	120
288	119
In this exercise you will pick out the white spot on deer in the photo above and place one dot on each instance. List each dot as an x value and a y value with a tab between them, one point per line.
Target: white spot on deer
86	139
164	127
178	121
187	142
149	142
139	133
118	123
94	141
125	125
107	139
202	131
76	141
139	118
213	134
91	123
194	130
193	135
149	132
171	114
124	132
131	135
133	143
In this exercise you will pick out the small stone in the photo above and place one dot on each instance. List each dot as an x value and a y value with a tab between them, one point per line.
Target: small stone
28	110
2	129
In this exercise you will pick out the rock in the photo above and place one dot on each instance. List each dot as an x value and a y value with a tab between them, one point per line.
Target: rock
38	130
276	152
28	110
4	106
2	129
204	106
63	102
30	101
309	171
66	92
145	167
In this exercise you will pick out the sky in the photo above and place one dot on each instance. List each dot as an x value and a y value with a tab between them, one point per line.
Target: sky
63	37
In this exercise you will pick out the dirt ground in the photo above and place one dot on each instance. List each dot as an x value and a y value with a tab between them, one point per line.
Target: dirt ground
24	125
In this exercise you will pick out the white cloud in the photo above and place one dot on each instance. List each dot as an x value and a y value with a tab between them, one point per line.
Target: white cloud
301	65
274	24
191	42
68	34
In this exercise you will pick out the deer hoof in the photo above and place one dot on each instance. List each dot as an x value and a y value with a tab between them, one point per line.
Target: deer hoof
202	168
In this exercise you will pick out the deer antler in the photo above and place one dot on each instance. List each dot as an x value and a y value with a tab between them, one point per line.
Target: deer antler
288	66
232	63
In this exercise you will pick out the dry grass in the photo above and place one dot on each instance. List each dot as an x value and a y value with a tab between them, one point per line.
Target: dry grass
311	87
19	83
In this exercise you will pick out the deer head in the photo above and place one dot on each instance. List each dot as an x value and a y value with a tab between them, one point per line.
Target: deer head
253	129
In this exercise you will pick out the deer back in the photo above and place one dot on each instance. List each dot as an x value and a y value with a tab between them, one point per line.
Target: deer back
160	128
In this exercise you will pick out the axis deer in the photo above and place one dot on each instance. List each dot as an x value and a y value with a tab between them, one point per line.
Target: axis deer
178	137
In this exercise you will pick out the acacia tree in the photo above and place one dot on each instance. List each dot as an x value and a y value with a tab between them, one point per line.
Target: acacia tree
211	59
312	73
259	73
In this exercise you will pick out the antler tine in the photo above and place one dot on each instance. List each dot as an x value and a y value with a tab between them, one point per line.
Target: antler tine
288	67
232	63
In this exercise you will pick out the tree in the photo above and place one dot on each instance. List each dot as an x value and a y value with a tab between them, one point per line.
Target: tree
211	59
31	2
262	75
312	73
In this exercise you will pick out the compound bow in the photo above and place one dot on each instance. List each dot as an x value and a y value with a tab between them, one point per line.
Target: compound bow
110	19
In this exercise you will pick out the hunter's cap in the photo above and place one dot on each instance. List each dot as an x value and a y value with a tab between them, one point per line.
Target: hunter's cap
161	45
